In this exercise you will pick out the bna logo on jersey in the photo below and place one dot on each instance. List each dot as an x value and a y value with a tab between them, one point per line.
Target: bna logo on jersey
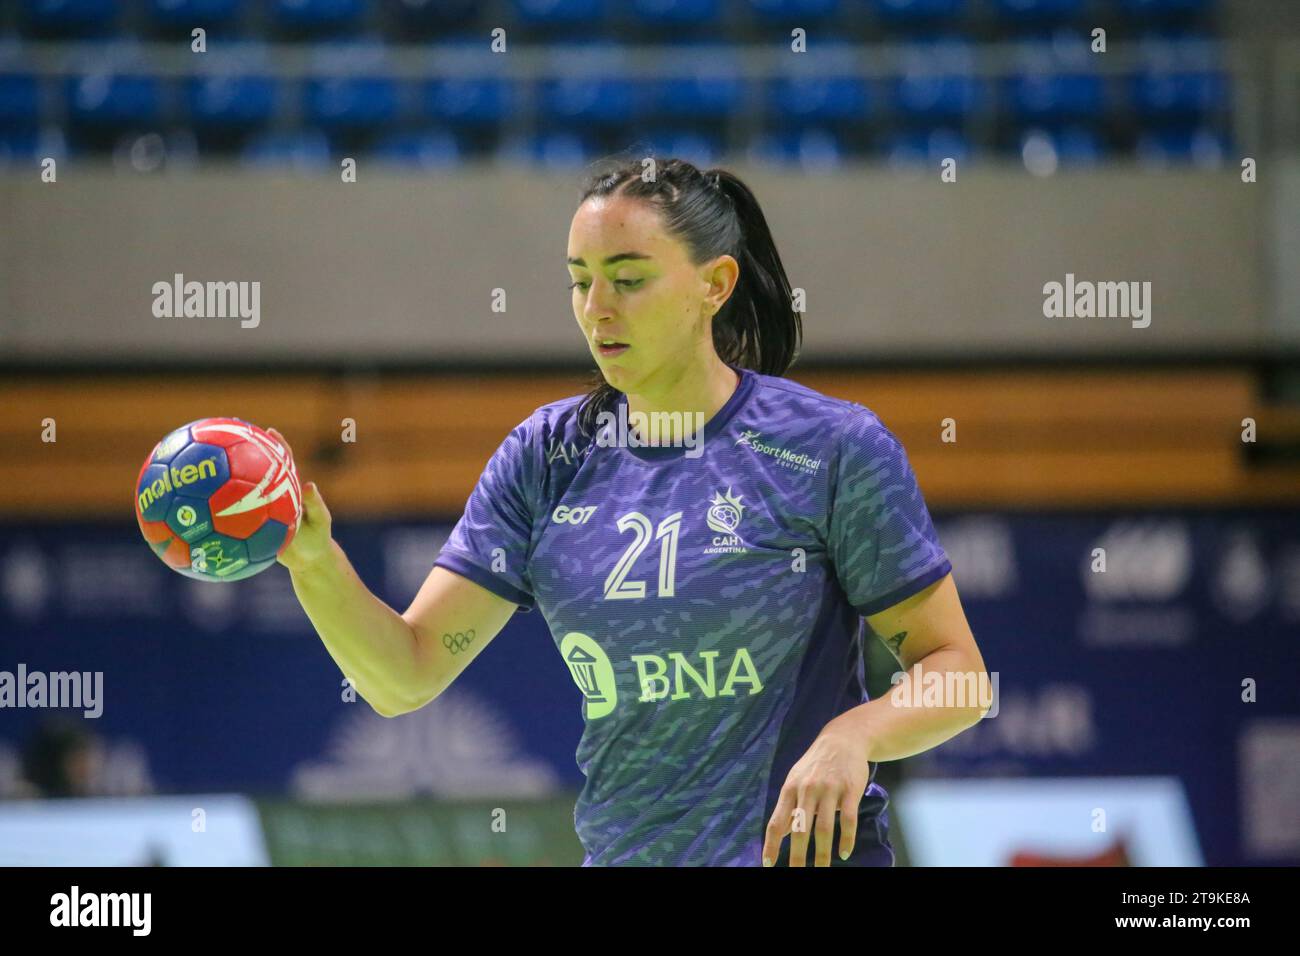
725	511
592	672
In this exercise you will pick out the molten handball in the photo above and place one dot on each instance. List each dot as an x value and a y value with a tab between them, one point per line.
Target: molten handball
218	499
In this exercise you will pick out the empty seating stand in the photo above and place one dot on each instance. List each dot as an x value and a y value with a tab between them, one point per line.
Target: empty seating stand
830	104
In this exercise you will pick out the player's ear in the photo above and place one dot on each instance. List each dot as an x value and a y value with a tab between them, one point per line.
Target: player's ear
721	274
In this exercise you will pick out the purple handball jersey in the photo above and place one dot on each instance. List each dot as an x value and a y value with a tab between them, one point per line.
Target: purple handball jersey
707	601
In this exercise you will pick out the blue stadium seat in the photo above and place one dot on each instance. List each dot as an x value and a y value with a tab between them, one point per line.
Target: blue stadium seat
811	149
114	100
700	96
1072	146
226	103
304	149
1161	96
827	55
1037	12
424	150
552	150
71	18
559	12
702	149
935	97
425	17
1177	44
23	146
1049	97
920	12
675	12
469	101
1198	146
20	101
317	17
818	99
936	86
1076	146
1079	146
350	103
577	100
794	9
18	146
928	147
1164	8
187	14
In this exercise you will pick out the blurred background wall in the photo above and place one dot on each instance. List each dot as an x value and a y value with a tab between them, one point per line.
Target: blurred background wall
396	268
401	194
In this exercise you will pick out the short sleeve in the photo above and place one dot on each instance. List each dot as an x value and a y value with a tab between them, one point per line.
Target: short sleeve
491	542
882	542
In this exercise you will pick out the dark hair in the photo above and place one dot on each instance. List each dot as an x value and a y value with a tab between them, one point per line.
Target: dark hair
713	213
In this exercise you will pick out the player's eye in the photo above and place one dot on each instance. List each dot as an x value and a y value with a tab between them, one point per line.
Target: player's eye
624	283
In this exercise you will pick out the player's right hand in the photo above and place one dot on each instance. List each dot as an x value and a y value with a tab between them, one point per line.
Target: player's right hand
313	540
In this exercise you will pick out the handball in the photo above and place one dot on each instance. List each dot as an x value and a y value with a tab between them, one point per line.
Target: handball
218	499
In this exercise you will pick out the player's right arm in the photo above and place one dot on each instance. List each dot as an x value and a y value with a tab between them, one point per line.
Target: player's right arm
397	662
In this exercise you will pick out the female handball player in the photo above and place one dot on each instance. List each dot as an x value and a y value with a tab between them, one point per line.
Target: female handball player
706	590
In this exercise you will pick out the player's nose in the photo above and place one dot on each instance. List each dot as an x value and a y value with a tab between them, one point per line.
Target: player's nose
599	303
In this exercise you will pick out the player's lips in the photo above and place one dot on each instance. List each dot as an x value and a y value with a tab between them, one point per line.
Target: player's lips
609	347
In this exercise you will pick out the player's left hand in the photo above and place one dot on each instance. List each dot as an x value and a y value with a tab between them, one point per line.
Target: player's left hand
830	777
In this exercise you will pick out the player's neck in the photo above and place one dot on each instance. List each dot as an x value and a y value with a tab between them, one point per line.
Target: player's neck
694	391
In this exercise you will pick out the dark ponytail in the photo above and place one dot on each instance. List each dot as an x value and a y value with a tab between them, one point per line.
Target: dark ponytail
713	213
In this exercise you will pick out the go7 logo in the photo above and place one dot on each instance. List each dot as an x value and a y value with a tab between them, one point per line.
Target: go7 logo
566	515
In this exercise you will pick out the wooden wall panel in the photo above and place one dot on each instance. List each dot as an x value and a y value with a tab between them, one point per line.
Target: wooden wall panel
1030	438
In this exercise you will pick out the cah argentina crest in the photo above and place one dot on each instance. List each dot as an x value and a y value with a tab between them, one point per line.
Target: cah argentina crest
725	512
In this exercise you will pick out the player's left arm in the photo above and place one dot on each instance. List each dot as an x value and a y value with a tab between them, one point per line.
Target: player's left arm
929	635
